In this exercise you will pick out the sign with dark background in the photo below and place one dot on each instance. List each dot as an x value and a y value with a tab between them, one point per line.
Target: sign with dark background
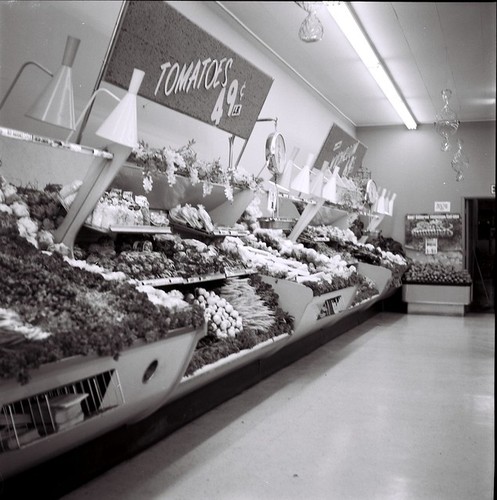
341	150
186	69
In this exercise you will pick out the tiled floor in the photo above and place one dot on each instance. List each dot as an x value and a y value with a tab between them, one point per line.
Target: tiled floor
400	407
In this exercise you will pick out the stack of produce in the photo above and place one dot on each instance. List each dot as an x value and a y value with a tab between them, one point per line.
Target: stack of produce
329	251
261	317
223	320
366	290
397	264
194	258
80	312
337	234
31	214
194	217
272	238
314	233
242	295
325	273
388	245
366	253
142	263
114	208
436	274
43	206
184	162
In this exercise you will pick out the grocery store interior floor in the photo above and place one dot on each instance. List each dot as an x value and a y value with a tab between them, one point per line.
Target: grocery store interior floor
399	407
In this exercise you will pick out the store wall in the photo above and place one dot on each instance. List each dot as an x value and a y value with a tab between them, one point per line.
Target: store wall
411	164
38	30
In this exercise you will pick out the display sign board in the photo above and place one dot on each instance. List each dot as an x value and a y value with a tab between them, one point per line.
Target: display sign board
341	150
186	69
437	235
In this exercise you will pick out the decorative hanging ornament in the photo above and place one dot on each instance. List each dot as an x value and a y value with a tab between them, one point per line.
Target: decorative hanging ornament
460	162
311	29
447	122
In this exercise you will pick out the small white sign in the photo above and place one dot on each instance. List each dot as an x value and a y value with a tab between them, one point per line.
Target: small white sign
492	188
442	206
431	246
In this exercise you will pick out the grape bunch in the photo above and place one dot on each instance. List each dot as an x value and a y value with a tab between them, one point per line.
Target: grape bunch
222	319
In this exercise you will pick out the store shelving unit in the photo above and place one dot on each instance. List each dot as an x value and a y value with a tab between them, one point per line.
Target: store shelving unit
148	377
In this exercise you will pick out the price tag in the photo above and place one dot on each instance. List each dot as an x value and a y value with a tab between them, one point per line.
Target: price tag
272	197
431	246
228	99
330	307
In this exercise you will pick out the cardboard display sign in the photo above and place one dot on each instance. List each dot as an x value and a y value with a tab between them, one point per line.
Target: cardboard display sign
435	238
186	69
343	151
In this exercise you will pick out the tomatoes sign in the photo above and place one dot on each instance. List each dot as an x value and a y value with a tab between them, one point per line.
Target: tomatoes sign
186	69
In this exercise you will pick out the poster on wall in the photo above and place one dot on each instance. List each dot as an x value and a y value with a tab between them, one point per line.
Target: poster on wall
186	69
434	237
343	151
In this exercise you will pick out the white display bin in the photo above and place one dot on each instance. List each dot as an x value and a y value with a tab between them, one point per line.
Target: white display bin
437	299
310	313
119	392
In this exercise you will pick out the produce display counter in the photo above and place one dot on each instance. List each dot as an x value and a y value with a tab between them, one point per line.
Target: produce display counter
381	276
61	474
299	301
310	313
164	196
148	381
115	392
233	362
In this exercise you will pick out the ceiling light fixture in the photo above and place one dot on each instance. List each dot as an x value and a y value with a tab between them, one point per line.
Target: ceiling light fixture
350	27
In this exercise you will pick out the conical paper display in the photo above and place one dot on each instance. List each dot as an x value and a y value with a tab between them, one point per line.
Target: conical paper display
390	203
330	188
120	126
302	181
317	182
382	202
286	178
55	105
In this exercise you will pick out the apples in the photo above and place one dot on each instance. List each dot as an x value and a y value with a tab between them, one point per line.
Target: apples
437	274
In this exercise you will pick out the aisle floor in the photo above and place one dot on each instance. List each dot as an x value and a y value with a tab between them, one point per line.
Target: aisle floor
400	407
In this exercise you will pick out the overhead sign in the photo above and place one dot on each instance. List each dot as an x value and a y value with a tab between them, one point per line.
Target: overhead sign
341	150
442	206
186	69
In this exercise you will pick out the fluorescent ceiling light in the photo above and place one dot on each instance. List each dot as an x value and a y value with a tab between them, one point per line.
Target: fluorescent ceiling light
343	16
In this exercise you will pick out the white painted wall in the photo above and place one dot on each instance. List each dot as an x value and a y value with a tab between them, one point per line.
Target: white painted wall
38	30
411	164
